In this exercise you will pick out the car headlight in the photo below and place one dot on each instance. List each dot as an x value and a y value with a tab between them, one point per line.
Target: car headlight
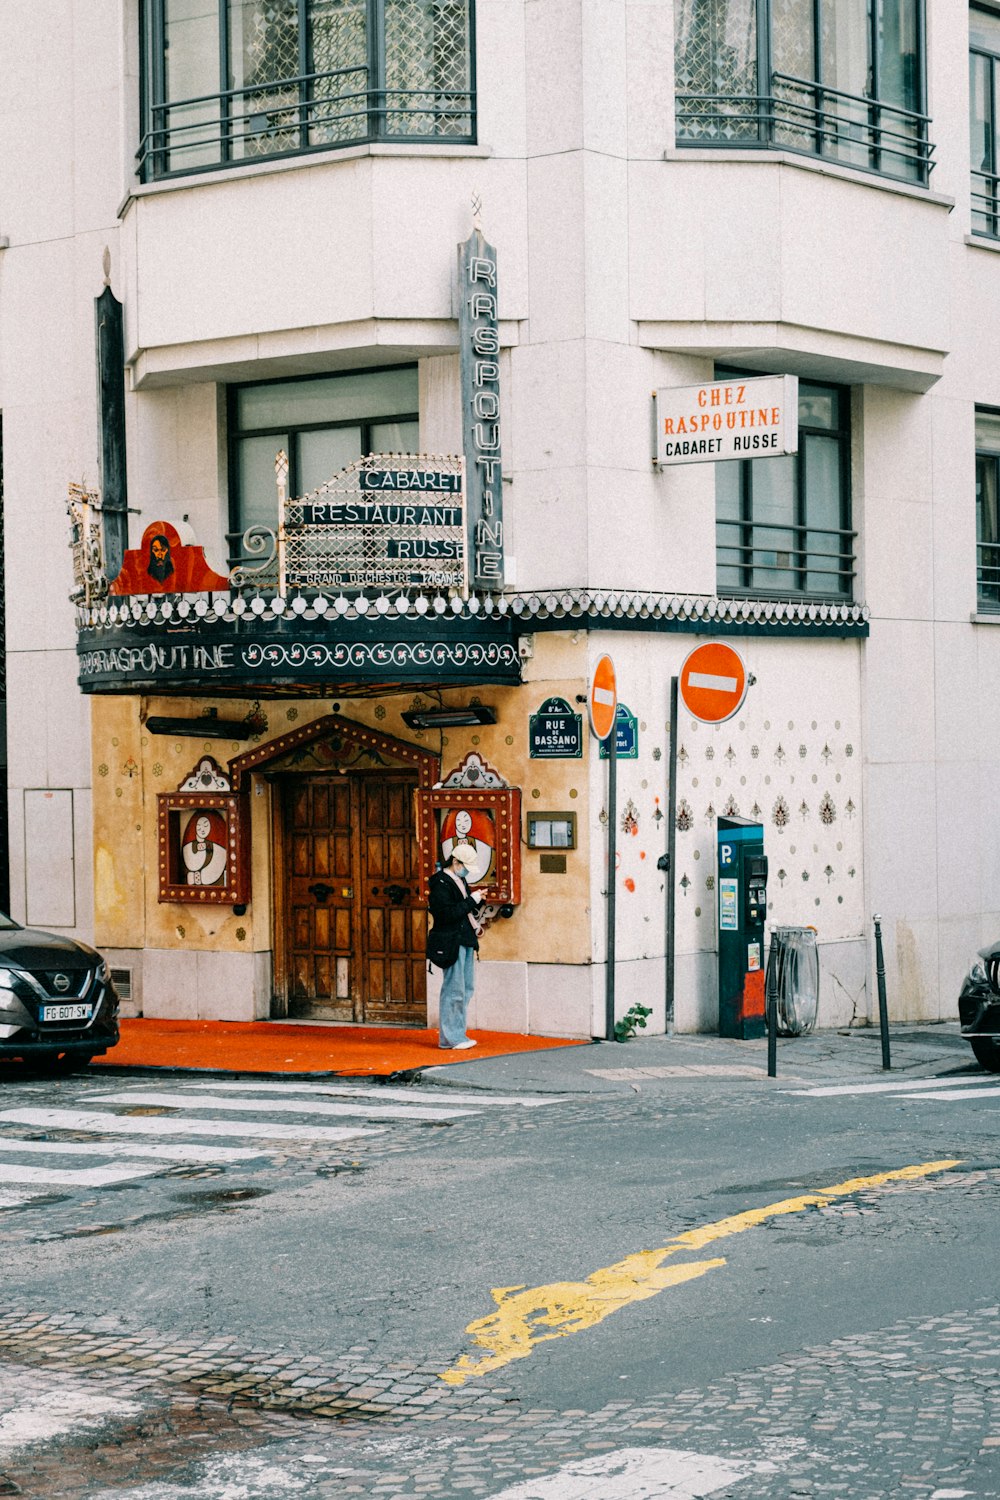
10	1003
103	972
977	971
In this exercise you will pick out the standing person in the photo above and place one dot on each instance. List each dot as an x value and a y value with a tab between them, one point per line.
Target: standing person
452	943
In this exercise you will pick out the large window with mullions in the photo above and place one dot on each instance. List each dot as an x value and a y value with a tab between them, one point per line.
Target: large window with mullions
842	79
227	82
988	511
783	525
322	423
984	119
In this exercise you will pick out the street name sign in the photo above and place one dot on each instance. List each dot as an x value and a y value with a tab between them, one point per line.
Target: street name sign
626	736
555	732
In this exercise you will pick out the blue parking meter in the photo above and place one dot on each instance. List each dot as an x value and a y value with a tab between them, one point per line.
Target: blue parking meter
742	911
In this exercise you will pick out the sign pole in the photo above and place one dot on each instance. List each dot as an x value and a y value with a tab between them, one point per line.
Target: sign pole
671	849
603	703
609	987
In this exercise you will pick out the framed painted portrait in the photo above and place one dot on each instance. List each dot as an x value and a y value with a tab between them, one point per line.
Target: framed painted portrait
488	819
203	854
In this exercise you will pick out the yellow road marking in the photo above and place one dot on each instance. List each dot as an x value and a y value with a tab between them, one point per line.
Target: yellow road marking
527	1316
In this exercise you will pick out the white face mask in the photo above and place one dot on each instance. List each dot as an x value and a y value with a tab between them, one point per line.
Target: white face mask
460	871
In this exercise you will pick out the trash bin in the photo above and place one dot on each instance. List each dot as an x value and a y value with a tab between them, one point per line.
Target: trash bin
795	960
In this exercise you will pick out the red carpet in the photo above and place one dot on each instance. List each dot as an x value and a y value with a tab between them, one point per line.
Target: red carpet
270	1047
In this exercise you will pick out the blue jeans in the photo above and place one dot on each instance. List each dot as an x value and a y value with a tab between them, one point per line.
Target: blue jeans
456	991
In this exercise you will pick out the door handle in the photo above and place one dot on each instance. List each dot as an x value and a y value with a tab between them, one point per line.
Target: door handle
396	893
320	891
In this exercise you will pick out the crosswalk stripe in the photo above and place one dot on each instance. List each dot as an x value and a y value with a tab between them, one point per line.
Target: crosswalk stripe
827	1091
109	1124
287	1106
73	1177
200	1155
249	1086
962	1093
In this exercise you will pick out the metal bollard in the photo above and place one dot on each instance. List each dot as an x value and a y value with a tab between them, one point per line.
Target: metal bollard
771	1006
883	1009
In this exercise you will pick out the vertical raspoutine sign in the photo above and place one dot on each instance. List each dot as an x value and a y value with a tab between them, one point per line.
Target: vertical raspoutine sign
479	344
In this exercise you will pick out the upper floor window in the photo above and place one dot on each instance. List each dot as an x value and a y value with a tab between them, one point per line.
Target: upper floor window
323	423
988	511
842	79
984	78
783	525
232	81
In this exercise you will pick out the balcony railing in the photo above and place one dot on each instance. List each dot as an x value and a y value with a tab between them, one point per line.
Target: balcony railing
779	559
314	112
809	117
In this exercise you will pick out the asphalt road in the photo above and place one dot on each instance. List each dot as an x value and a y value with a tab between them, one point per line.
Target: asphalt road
611	1286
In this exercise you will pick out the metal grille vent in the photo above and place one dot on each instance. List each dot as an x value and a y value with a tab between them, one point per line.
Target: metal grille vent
122	981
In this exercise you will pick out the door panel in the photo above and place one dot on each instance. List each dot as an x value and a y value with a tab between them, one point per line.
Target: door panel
355	931
396	988
320	897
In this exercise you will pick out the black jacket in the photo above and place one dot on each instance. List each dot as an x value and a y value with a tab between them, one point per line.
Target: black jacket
452	929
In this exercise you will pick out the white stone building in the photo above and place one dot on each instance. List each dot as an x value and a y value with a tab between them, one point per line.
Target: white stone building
678	191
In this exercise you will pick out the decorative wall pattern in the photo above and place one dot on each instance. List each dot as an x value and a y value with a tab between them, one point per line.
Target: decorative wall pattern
798	775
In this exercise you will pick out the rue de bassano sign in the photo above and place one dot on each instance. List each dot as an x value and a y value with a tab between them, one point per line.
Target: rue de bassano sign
555	732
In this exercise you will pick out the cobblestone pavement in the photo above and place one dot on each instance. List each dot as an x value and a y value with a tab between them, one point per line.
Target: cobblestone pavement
913	1410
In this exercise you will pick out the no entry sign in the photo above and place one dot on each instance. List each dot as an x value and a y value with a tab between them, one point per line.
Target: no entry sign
603	698
713	682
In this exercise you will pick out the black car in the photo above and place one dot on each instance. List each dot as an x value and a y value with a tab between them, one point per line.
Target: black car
58	1007
979	1007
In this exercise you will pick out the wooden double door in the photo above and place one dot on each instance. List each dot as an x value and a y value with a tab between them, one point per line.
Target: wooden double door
353	925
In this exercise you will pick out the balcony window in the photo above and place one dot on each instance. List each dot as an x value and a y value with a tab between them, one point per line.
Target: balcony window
841	79
323	424
988	512
984	63
229	82
783	525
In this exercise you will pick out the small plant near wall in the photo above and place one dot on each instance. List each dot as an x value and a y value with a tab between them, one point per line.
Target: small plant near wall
632	1021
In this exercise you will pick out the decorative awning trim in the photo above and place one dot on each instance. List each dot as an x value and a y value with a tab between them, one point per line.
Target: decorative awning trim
549	609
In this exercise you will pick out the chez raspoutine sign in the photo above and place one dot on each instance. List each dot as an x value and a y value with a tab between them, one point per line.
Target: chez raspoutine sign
727	419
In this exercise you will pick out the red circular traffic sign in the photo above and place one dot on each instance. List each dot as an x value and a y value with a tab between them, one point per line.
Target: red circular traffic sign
713	682
603	700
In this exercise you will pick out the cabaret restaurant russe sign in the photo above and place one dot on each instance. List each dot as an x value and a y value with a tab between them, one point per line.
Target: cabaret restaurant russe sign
387	521
727	419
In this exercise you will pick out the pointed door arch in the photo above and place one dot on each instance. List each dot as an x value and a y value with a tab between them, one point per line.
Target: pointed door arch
349	923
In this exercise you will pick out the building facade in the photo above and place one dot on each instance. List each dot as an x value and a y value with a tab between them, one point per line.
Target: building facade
438	255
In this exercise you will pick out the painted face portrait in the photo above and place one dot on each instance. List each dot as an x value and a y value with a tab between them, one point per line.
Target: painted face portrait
160	565
204	849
